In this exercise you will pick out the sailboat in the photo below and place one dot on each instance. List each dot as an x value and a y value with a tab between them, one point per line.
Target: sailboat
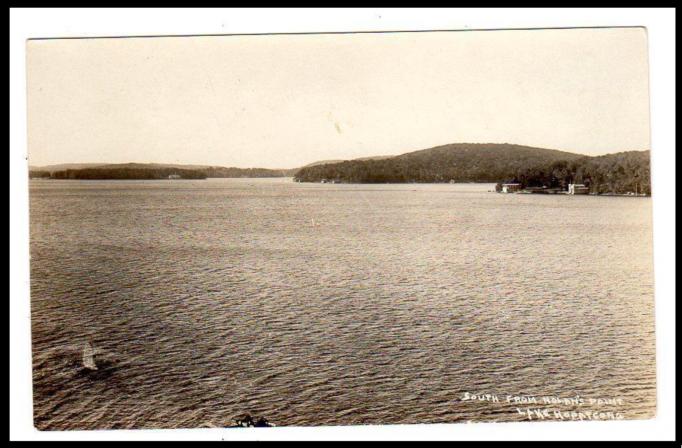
89	357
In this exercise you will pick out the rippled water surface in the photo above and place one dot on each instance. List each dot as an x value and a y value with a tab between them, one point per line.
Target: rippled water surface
317	304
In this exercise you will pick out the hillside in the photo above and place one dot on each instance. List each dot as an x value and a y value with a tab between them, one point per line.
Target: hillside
458	162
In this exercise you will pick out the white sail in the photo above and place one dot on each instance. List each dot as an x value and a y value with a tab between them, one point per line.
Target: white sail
89	357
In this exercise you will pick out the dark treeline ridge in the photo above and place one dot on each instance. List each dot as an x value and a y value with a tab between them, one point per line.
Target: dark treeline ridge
613	173
458	162
155	172
619	173
122	173
39	174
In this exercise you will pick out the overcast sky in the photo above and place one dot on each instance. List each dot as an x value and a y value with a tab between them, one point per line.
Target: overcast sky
285	101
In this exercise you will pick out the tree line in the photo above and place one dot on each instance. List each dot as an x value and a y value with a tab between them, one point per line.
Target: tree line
149	173
126	173
624	172
494	163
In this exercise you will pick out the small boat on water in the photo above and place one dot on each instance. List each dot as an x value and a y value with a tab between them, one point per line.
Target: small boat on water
89	357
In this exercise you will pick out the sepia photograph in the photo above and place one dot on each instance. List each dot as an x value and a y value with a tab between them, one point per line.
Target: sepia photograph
340	229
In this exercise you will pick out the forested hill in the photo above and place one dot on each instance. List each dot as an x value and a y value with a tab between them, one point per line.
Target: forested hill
458	162
622	172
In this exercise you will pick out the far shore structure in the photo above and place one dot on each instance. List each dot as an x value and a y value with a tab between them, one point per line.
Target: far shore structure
511	188
578	189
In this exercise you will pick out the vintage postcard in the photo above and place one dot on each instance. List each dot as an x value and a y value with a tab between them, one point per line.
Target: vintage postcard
340	229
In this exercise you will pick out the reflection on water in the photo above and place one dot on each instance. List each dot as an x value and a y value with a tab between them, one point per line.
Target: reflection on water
320	304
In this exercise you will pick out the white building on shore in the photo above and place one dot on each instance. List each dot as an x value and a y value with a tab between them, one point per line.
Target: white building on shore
578	189
511	188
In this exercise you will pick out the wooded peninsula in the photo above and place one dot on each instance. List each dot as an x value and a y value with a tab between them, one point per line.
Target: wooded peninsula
618	173
139	171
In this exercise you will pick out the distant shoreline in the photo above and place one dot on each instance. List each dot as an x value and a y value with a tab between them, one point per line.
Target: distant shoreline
527	168
523	193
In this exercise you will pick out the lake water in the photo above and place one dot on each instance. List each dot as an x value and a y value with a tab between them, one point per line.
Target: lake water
316	304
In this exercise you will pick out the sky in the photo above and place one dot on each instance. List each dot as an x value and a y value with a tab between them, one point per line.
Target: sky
283	101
